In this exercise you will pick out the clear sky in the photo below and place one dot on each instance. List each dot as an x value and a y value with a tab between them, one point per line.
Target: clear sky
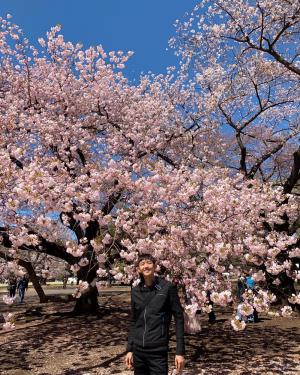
143	26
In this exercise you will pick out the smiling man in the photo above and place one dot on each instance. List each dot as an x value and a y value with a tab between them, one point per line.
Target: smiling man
153	303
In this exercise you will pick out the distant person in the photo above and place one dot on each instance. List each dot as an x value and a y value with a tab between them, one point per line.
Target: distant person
12	286
241	287
211	315
250	283
65	282
21	287
153	302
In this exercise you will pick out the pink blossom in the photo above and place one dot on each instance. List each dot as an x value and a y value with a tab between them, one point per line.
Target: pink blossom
286	311
238	325
245	309
191	309
295	298
222	298
107	239
80	289
101	272
192	324
259	276
8	300
8	326
75	268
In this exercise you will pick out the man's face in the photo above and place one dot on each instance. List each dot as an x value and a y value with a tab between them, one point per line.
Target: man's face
146	267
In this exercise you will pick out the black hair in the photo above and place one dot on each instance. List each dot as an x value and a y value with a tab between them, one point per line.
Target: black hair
144	257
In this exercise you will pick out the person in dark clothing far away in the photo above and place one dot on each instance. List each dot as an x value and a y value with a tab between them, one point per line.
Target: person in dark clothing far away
21	287
153	303
241	287
12	286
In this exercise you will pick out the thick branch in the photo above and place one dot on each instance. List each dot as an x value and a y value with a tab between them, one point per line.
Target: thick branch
18	163
47	247
55	250
243	167
264	157
295	173
293	68
271	51
111	202
167	159
92	229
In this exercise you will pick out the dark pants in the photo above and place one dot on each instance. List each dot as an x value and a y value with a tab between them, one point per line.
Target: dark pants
145	363
12	291
21	294
212	317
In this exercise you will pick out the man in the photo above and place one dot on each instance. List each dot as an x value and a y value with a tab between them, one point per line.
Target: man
22	285
241	287
153	302
250	283
12	286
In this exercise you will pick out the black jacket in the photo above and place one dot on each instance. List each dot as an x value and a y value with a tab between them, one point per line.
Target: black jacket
22	284
151	313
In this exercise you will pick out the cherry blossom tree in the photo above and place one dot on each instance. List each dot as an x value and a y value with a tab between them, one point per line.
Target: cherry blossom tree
127	169
37	265
73	130
244	59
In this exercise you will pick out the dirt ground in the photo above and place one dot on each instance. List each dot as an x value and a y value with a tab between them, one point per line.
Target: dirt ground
48	343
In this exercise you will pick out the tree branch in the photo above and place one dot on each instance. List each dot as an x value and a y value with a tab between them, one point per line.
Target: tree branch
295	173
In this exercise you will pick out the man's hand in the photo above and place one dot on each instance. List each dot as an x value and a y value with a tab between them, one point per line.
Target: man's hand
129	360
179	363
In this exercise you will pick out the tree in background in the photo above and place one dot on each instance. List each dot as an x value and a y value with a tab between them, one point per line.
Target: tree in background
244	59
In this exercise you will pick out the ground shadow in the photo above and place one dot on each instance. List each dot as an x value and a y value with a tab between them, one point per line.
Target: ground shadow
64	345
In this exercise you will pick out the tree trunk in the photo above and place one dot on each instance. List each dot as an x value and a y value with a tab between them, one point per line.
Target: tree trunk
35	281
87	303
284	290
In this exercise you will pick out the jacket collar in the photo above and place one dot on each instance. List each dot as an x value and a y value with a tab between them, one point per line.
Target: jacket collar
155	286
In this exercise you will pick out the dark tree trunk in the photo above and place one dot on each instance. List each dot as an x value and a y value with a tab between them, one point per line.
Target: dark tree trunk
284	290
287	284
87	303
35	281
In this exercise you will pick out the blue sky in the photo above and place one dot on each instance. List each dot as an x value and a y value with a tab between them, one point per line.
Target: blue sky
143	26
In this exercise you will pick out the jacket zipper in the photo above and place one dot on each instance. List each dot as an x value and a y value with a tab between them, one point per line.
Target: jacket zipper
145	326
163	326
